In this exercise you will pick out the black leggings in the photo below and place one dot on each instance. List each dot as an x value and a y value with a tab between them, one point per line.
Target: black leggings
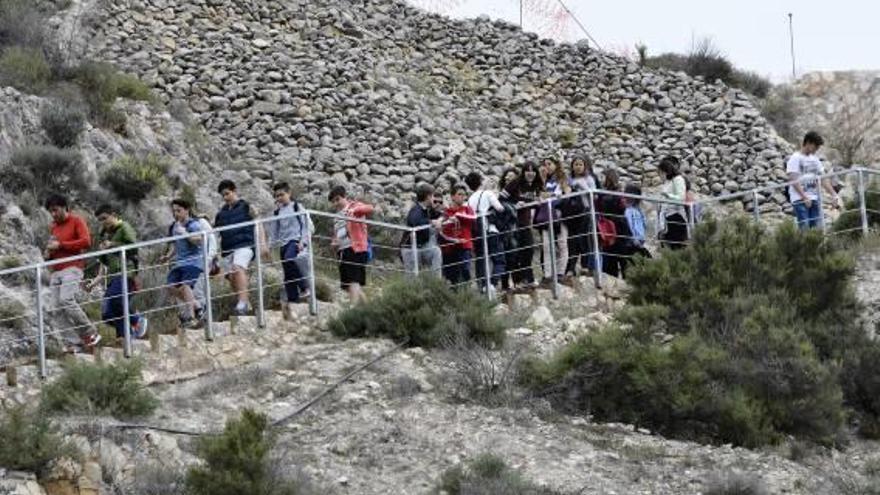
579	243
521	271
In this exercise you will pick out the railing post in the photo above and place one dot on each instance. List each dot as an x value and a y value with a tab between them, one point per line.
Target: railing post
126	310
553	271
756	208
691	218
597	255
819	201
41	324
486	263
415	251
863	207
261	317
207	310
313	296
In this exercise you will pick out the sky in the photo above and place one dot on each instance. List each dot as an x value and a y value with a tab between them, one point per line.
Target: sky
753	34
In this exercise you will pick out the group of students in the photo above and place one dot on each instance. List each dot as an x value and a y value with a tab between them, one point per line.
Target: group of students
538	200
534	201
535	205
194	250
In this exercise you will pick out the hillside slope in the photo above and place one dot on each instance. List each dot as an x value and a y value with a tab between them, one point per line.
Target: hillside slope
384	95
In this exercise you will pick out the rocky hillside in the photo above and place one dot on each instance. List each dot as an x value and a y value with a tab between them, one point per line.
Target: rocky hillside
399	424
846	107
383	95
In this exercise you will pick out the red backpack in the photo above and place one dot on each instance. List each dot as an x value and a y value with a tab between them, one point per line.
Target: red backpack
607	232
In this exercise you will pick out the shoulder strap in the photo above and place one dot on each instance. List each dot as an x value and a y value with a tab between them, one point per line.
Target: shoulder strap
299	218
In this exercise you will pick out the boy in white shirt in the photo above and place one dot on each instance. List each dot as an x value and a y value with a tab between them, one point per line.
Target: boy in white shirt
805	167
483	202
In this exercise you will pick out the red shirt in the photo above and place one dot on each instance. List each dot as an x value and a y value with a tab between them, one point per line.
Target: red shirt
357	231
73	235
458	235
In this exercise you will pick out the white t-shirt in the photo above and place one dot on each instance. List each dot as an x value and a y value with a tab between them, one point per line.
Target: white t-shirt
808	167
481	200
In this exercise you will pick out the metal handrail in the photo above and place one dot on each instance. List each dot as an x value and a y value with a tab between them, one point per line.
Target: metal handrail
551	202
773	187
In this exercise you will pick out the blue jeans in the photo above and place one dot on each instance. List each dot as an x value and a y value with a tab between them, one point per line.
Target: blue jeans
807	218
112	311
293	278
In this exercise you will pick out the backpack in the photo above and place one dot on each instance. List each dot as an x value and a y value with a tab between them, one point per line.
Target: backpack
299	218
369	249
607	232
212	237
191	220
504	221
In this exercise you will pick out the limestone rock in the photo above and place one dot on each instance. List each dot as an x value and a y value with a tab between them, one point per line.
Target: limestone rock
541	318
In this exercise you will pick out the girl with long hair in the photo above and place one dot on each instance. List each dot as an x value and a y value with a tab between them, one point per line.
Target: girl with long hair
673	216
527	188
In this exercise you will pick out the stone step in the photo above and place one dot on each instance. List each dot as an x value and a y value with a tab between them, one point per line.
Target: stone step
28	375
187	353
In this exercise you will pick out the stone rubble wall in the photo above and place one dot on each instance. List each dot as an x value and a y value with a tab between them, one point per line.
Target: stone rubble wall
382	96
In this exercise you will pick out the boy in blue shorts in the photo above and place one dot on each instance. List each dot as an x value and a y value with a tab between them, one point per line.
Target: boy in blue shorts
188	262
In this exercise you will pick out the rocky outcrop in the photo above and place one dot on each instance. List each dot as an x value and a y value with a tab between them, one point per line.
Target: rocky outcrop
381	95
844	106
24	224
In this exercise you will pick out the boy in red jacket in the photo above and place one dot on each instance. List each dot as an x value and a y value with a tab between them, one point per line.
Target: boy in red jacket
69	237
458	242
351	242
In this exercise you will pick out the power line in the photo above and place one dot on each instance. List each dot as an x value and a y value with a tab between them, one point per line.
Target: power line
580	24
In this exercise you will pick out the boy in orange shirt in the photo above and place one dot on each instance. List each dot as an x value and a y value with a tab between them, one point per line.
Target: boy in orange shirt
69	237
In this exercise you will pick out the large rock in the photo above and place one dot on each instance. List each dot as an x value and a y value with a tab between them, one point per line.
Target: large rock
541	318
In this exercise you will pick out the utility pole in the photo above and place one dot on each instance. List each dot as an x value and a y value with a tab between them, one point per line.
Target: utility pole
791	36
521	14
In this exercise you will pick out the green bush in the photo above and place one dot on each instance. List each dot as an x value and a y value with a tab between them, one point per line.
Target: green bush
849	223
133	179
63	123
10	261
45	169
780	110
102	84
30	441
567	137
738	338
21	24
238	461
752	83
425	310
861	385
13	314
25	69
324	291
734	483
488	475
708	62
115	389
